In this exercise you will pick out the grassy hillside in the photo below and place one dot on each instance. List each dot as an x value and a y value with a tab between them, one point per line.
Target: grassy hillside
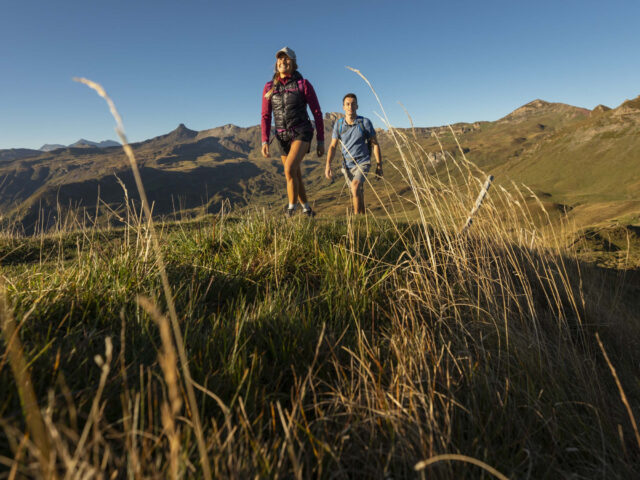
322	348
596	159
584	165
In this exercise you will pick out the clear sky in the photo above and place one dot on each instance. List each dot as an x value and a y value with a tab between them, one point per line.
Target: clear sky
204	63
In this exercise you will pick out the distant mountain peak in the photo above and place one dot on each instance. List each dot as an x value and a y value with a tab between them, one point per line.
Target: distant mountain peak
532	106
229	128
537	103
539	107
182	131
223	131
83	143
48	147
183	128
178	135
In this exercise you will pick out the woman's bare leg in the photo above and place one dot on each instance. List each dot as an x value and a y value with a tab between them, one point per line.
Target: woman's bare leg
295	188
302	193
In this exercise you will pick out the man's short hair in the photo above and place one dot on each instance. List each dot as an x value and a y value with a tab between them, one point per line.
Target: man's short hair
350	95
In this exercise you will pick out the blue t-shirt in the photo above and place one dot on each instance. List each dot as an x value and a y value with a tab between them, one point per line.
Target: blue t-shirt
354	141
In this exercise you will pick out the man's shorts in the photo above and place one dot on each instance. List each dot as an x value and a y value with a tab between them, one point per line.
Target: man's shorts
285	139
358	172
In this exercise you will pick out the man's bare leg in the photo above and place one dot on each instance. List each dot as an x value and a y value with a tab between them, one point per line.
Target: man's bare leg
358	197
361	200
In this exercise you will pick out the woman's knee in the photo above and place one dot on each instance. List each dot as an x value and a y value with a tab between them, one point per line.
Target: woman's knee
290	169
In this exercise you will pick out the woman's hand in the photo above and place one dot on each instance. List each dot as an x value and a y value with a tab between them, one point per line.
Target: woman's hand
320	149
265	150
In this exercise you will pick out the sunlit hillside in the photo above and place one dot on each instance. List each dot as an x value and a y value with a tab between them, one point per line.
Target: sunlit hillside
436	340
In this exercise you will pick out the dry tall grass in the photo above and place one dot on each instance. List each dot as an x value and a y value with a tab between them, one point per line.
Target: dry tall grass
354	348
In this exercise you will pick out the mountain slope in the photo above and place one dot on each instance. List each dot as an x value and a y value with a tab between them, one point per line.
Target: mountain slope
592	162
571	155
182	170
10	154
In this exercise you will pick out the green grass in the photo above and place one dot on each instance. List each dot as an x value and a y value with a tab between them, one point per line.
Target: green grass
376	358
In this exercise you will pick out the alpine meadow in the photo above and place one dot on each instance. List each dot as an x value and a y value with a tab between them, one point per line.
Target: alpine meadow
162	318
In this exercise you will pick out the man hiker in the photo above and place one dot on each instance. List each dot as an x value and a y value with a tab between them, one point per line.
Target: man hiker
358	142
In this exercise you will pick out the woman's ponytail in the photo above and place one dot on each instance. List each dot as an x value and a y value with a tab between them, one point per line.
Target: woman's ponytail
274	81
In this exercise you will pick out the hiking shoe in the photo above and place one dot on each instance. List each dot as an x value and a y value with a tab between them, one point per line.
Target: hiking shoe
309	213
288	212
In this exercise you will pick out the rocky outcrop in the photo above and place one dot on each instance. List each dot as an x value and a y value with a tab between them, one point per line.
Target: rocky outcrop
628	107
600	109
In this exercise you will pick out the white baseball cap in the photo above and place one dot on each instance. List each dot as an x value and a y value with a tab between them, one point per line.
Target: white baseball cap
288	52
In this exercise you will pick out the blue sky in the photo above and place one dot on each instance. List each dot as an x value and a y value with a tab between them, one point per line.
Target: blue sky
204	63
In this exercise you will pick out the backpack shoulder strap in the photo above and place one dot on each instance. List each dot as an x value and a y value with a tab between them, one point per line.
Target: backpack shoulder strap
340	125
360	123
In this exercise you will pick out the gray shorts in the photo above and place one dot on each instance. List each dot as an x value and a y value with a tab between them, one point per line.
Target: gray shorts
358	172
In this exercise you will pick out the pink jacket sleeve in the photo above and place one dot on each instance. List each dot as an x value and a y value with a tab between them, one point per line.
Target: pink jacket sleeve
265	122
314	105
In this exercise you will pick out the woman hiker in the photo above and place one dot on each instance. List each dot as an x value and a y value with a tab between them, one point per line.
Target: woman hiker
287	96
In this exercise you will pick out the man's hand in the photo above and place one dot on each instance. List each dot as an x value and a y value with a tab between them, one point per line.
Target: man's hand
378	170
328	173
265	150
320	149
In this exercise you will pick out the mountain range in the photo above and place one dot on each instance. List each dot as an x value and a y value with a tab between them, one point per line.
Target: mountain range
48	147
17	153
587	161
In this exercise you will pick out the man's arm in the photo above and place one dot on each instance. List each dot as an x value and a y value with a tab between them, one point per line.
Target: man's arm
377	155
330	152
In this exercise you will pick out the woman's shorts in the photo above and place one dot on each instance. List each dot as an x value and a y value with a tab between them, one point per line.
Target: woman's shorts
285	139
